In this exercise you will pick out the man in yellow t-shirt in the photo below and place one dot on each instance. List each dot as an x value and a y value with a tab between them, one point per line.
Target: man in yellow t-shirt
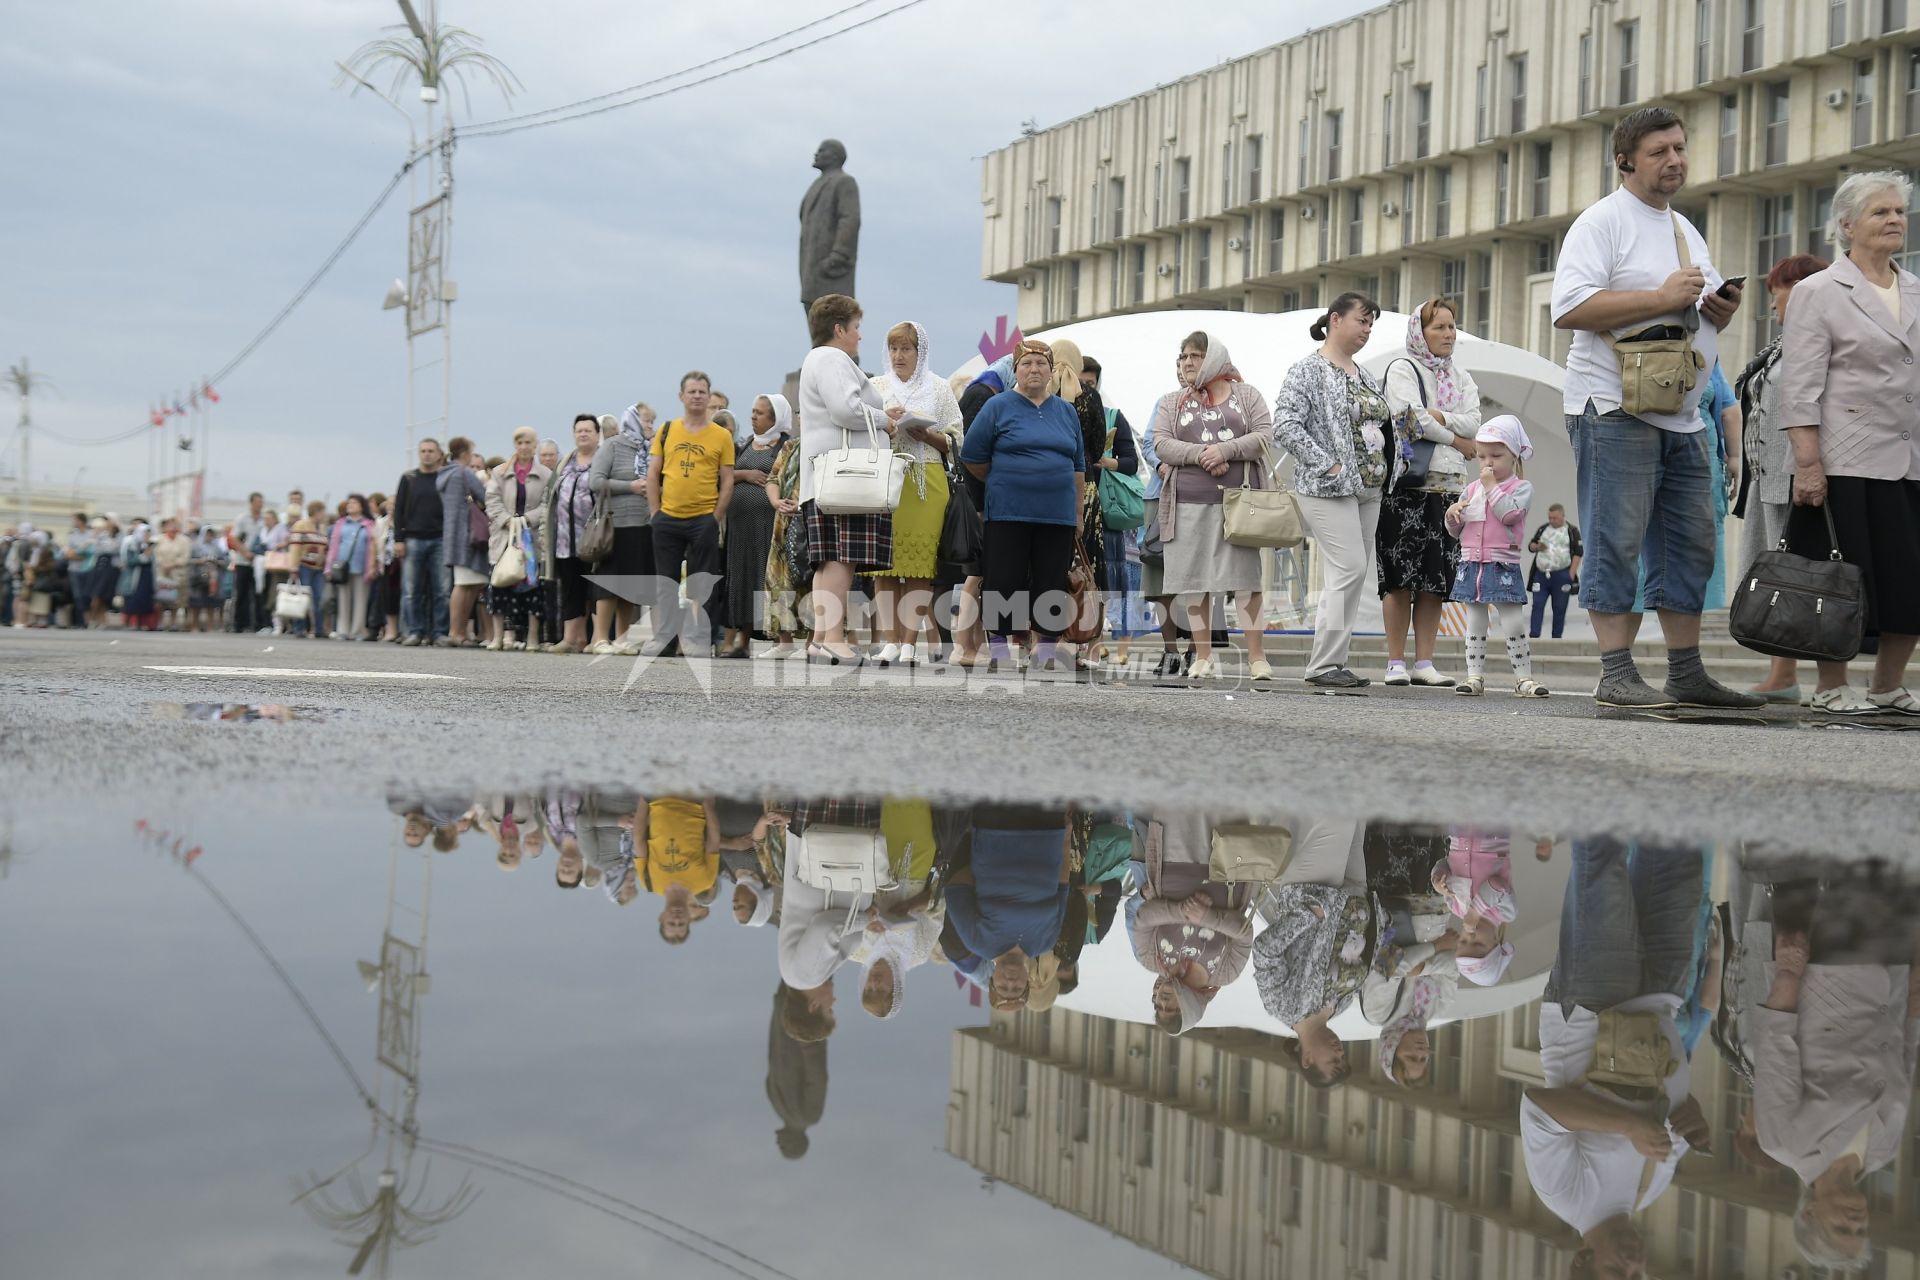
689	485
677	855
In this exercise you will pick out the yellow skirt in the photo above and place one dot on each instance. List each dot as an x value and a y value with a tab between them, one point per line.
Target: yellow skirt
916	526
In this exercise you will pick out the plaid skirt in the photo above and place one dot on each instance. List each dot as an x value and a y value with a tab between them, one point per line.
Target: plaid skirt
863	541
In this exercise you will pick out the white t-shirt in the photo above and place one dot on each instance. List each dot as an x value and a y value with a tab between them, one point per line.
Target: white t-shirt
1586	1178
1620	243
1891	296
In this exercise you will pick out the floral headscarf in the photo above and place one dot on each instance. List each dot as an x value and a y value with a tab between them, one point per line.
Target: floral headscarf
1423	994
1447	394
1216	366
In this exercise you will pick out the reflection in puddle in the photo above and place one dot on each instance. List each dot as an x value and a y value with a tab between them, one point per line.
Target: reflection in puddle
236	711
1259	1045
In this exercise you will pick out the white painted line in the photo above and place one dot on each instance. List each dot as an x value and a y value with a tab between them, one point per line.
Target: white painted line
302	673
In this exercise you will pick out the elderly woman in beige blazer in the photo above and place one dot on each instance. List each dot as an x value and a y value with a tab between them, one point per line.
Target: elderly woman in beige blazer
517	487
1850	395
1211	436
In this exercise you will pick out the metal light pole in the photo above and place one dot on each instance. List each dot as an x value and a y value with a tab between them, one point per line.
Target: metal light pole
22	381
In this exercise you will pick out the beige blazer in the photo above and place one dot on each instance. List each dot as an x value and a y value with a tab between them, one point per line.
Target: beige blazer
1851	369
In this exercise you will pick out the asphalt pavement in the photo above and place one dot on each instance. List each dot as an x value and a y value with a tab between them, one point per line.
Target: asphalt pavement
80	710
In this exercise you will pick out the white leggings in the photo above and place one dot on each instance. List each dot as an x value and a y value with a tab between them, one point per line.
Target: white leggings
1513	625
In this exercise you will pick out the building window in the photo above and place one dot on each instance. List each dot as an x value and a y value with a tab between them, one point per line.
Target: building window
1482	294
1226	176
1093	214
1443	202
1183	188
1179	261
1609	169
1370	287
1912	121
1356	214
1753	35
1863	102
1246	247
1056	208
1203	258
1276	240
1733	1253
1542	178
1117	193
1390	290
1114	261
1517	94
1729	134
1779	100
1252	148
1422	120
1159	196
1326	226
1542	257
1629	62
1143	1134
1502	186
1333	146
1893	15
1481	128
1837	23
1020	1088
1586	74
1409	207
1453	278
1773	241
1073	288
1819	209
1386	131
1702	41
1139	274
1303	153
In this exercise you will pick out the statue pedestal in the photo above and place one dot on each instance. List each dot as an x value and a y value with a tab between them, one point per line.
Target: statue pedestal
791	390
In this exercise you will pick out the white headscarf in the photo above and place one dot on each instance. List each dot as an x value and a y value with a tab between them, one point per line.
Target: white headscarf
782	420
762	904
919	393
1487	970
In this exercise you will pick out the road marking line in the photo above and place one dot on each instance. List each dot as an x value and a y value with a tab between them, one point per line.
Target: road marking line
302	673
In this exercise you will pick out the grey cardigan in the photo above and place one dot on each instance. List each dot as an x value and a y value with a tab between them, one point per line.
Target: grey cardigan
1172	451
1313	421
460	488
613	474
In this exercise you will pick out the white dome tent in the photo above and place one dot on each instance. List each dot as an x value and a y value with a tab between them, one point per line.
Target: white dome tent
1137	353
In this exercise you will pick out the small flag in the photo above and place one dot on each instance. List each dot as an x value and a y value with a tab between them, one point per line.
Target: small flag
208	391
193	401
179	408
159	417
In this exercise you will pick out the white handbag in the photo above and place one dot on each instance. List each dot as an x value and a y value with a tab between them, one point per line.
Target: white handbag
859	481
512	570
849	860
293	603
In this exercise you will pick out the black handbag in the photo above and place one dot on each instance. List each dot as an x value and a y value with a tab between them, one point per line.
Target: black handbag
1416	455
963	536
1791	606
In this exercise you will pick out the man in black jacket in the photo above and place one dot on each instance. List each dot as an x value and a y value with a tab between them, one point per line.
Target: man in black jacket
418	518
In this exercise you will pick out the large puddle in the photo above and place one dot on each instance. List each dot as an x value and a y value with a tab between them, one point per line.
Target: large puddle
583	1031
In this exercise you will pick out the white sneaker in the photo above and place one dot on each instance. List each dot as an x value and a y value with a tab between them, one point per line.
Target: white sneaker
780	652
1845	700
1432	677
887	656
1397	676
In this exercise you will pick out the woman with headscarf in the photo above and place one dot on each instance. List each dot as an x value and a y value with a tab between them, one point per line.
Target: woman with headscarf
1433	401
1191	932
206	562
1026	444
517	489
569	507
1211	436
138	607
903	591
750	517
619	476
788	567
1406	1008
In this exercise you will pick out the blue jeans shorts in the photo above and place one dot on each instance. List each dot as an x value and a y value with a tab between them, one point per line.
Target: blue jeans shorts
1646	501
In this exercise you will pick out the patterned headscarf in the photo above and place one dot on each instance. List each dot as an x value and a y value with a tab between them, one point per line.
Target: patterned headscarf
1216	366
1508	430
1487	970
634	432
1447	394
1424	992
919	392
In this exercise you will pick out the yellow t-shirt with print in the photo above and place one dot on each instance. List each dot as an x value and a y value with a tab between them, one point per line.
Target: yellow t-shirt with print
690	467
677	850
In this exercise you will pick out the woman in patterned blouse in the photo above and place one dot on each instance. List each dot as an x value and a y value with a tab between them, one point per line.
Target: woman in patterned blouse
1332	418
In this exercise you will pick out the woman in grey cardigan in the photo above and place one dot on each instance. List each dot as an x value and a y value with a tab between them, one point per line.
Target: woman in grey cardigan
1210	437
462	491
1332	418
619	476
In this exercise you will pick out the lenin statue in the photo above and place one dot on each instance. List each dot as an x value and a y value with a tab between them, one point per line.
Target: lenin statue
829	227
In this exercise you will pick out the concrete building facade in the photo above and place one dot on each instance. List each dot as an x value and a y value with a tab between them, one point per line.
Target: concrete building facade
1211	1150
1444	147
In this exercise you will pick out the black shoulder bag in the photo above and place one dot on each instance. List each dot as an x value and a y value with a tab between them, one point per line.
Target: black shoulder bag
1416	456
1791	606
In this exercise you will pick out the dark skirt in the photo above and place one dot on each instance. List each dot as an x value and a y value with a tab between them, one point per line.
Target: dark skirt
631	557
1879	526
749	538
863	541
570	587
1415	551
514	607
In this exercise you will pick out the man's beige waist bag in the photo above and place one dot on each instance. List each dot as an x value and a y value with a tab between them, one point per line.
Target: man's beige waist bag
1656	374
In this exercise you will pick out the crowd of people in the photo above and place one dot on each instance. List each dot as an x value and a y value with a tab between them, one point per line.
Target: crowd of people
1027	521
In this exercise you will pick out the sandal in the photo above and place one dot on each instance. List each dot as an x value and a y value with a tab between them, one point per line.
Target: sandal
1471	687
1531	688
561	647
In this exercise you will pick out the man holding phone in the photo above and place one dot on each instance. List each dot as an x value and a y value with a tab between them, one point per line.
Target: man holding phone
1631	264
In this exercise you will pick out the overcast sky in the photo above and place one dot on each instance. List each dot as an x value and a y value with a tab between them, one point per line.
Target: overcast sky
175	170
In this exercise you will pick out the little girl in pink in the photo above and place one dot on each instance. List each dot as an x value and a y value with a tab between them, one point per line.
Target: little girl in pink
1488	520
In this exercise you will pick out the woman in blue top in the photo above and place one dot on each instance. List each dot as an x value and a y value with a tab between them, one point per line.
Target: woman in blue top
1007	905
1026	446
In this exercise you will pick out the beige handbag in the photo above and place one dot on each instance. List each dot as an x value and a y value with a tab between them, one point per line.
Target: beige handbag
1246	853
1264	517
1657	373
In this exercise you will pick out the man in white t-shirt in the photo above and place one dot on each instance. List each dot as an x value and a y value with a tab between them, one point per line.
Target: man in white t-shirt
1596	1156
1645	482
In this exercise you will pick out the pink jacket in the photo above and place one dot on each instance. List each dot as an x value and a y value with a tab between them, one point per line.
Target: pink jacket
340	526
1496	539
1478	874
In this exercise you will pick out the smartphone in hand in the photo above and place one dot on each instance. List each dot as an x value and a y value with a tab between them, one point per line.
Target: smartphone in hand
1726	289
